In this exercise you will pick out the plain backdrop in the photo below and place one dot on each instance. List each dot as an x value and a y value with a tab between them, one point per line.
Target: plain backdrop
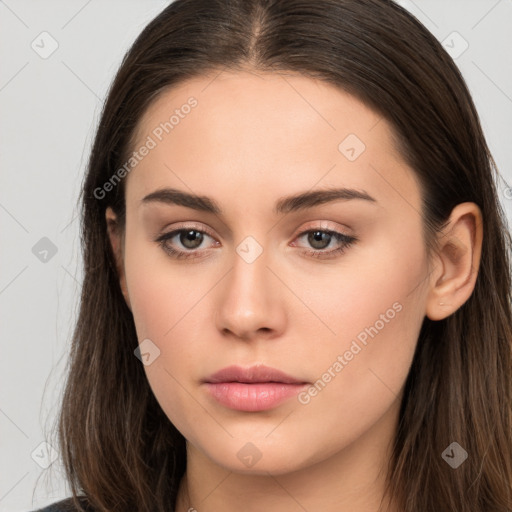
57	59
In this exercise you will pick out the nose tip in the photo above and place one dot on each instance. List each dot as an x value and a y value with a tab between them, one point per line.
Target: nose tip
249	302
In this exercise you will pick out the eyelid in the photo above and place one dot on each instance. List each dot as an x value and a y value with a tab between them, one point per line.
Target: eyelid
323	226
311	226
192	225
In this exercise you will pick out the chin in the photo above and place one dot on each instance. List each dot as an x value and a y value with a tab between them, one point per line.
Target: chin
260	457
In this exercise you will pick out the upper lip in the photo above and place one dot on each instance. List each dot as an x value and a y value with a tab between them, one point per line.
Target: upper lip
252	374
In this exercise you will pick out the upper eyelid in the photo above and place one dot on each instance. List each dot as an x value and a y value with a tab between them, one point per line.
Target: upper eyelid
192	226
312	226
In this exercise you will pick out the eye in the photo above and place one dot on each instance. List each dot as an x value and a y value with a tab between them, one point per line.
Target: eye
189	238
321	239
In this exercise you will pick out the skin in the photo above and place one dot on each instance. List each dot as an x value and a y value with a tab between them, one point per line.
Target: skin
252	139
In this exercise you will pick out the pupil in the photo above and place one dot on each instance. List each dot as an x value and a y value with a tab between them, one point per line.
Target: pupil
317	240
192	239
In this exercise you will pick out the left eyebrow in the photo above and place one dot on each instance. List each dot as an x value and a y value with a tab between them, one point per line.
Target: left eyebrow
316	197
284	205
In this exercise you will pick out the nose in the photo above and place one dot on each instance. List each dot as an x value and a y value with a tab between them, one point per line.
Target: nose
251	302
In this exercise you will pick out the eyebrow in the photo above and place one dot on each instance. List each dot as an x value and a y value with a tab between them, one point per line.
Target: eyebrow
284	205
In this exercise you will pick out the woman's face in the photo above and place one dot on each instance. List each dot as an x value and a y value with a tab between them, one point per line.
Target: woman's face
263	280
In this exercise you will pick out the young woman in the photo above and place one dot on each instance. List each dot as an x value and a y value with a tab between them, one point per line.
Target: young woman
297	290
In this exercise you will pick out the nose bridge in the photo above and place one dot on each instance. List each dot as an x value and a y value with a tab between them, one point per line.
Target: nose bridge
248	283
250	300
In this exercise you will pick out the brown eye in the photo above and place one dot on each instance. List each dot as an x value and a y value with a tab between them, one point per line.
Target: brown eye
184	242
319	239
191	239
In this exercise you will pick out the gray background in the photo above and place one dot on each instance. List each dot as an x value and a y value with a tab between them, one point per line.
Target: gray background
50	105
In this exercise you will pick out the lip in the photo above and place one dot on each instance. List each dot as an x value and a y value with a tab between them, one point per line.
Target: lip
256	388
253	374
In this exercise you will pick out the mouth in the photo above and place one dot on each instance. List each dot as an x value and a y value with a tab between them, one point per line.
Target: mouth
252	389
252	375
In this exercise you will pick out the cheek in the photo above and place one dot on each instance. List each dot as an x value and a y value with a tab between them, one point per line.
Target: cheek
377	313
166	307
375	292
160	295
160	315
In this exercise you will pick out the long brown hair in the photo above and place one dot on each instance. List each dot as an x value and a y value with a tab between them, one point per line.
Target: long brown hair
120	451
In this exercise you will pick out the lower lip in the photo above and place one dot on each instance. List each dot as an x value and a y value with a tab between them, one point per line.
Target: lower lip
252	397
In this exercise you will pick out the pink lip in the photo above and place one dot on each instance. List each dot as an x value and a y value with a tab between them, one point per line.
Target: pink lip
256	373
252	389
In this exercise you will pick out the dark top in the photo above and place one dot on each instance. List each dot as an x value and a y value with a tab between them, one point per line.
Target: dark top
65	505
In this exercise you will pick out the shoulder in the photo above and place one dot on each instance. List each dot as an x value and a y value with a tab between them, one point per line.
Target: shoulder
66	505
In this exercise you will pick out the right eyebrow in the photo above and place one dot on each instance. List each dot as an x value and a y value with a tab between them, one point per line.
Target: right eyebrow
173	196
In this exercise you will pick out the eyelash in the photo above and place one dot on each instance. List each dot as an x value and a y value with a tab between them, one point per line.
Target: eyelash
345	240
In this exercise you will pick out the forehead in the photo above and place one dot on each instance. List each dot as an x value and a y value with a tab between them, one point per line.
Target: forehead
260	104
247	130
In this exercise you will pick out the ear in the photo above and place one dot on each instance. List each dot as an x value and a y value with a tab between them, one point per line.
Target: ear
116	238
458	260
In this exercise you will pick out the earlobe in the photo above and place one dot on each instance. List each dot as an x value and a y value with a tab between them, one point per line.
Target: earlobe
116	243
460	246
